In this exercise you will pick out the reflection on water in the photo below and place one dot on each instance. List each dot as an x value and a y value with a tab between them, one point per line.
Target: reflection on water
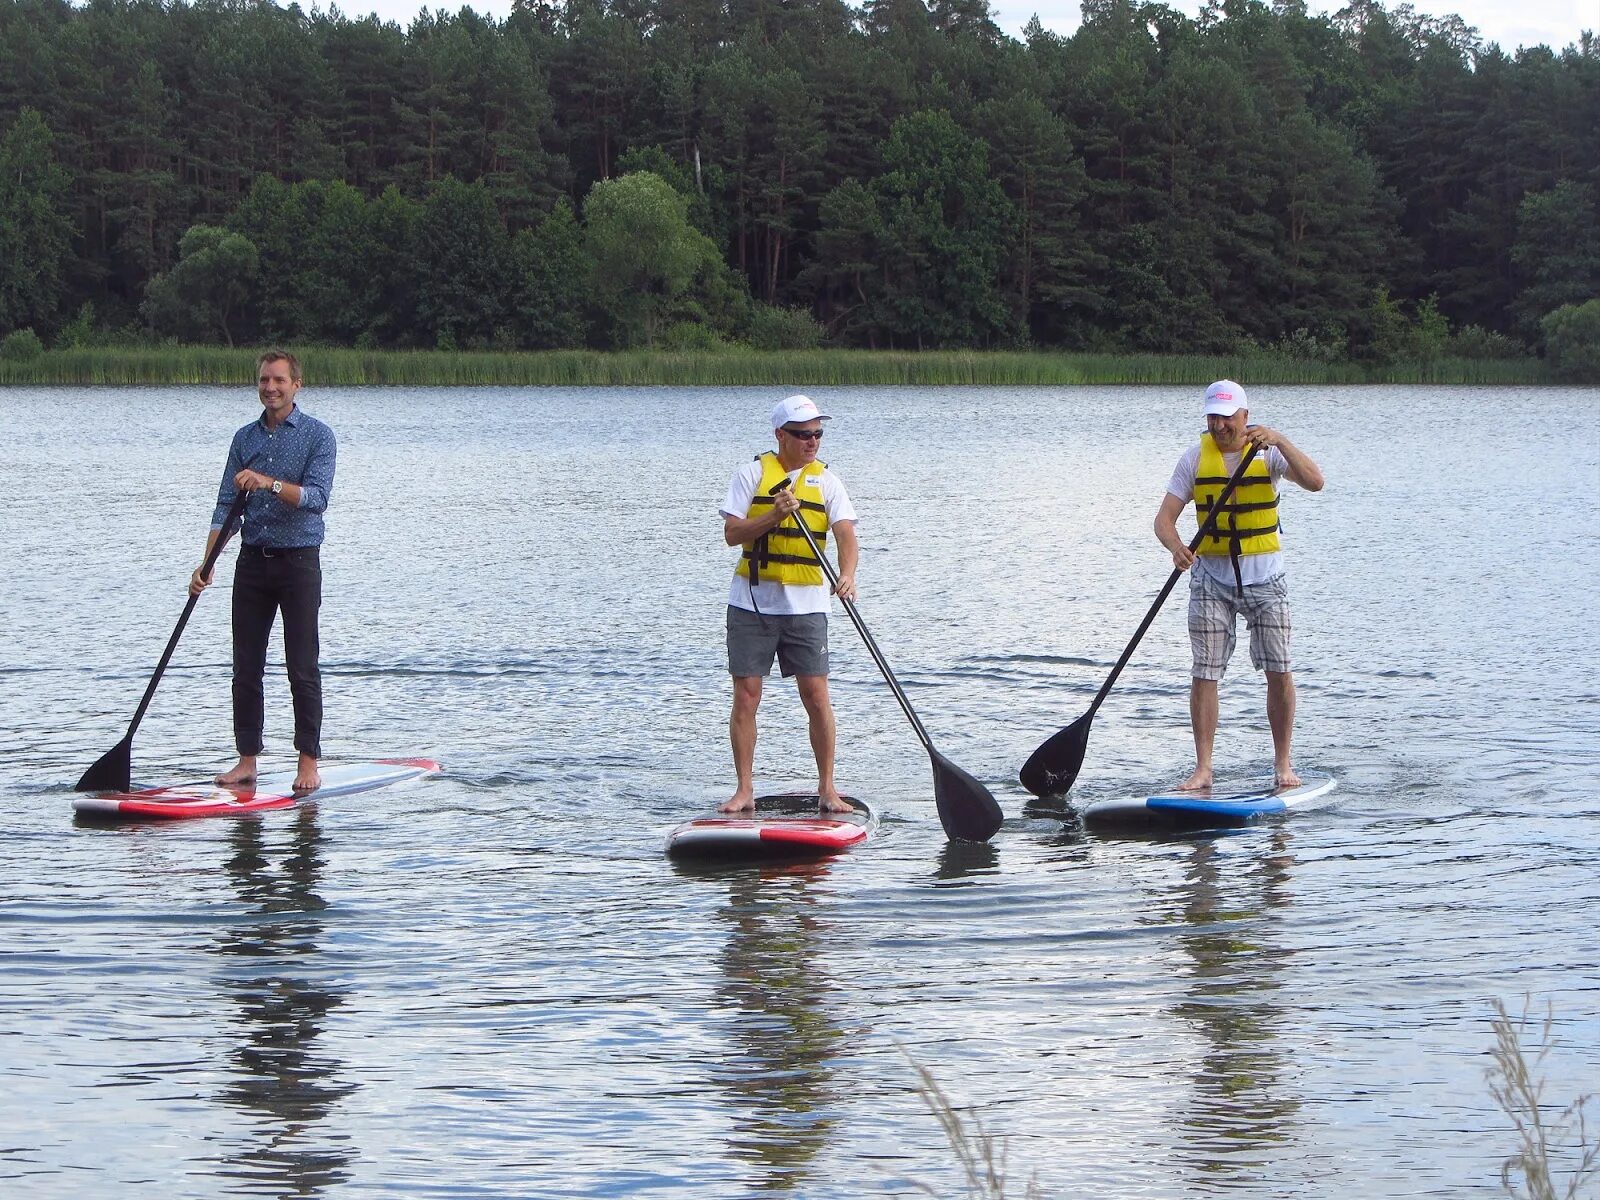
959	860
781	1031
280	1080
1240	1104
534	1003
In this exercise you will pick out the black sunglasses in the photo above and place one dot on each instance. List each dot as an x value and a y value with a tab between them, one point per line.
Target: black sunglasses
810	435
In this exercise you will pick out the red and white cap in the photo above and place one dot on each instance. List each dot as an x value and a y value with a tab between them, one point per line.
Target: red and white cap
1224	398
797	408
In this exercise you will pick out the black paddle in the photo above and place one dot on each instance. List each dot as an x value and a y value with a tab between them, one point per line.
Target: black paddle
1051	769
966	808
113	770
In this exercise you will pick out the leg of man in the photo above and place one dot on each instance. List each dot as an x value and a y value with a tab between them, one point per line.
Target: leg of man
819	714
300	596
1212	625
742	733
1203	720
254	605
1280	715
752	645
1267	613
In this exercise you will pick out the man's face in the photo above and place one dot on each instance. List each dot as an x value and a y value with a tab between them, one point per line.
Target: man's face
1228	432
799	443
276	388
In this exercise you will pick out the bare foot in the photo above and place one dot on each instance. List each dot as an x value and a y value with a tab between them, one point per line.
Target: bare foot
744	800
831	801
240	774
1285	777
307	778
1199	781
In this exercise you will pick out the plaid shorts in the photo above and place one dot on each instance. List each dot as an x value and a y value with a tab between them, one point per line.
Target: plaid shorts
1214	610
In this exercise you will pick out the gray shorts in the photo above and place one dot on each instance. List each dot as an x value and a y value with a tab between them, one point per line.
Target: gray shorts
800	642
1214	610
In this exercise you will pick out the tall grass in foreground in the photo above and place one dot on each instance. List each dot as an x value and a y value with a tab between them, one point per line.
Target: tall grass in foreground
1550	1140
325	366
981	1154
1555	1145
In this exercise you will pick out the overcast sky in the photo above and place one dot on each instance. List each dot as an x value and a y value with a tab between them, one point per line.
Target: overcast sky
1512	23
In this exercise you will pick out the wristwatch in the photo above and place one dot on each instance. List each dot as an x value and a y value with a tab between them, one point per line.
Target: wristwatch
277	487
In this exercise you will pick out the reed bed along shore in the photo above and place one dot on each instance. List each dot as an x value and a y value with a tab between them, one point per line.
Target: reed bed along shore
732	368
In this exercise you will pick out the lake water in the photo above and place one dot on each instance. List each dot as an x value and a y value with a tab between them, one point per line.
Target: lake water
494	984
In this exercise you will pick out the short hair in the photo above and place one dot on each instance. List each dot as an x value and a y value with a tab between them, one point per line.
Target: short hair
277	356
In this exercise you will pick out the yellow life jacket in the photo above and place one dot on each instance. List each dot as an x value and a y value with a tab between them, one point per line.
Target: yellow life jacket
1248	522
781	554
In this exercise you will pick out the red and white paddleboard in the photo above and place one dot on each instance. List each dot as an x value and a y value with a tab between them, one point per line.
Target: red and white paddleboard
783	826
184	801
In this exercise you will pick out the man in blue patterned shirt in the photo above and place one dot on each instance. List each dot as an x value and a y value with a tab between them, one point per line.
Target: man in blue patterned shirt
285	461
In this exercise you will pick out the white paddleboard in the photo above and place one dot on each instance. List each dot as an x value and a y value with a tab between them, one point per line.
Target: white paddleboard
1226	802
186	801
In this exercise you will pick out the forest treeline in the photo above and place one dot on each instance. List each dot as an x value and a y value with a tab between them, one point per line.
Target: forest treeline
785	174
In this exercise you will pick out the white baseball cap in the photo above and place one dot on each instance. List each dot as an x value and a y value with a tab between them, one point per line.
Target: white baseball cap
797	408
1224	398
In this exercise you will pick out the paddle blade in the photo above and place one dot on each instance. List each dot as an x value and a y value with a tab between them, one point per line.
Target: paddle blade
966	808
111	772
1051	769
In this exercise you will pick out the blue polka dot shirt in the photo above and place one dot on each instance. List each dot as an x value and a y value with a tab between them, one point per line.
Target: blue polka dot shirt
300	450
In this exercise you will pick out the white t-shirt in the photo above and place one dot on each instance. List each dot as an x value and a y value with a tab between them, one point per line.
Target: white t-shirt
771	596
1253	568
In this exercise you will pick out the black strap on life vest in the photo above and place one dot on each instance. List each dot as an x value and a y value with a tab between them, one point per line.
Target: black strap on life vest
1234	535
760	552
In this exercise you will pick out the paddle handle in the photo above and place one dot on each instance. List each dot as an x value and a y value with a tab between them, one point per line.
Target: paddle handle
861	627
1206	527
235	510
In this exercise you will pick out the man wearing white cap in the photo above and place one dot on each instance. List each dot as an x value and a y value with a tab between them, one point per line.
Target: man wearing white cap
1239	567
778	603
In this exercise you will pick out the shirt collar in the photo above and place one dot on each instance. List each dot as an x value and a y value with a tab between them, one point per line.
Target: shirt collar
292	419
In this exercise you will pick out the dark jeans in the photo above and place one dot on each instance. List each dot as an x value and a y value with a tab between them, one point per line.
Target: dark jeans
264	583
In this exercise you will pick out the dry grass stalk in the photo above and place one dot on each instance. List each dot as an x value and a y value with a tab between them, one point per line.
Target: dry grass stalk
1517	1084
982	1155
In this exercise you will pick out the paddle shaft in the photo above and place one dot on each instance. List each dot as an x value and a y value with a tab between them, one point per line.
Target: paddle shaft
234	512
1206	527
861	628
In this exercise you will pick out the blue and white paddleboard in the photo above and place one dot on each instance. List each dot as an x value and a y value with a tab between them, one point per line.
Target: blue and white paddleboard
1226	802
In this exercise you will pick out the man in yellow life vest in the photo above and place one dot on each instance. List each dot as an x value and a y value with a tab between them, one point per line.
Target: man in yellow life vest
778	603
1239	569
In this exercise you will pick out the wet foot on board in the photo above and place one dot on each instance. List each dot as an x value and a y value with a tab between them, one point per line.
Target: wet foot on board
241	774
1199	781
742	802
307	778
1285	778
832	802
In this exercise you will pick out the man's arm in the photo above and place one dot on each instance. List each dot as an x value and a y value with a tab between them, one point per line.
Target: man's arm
1167	532
741	531
1302	470
316	482
844	533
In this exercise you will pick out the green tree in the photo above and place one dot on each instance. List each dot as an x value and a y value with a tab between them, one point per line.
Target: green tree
550	270
35	234
462	256
644	252
1557	250
947	228
845	274
1572	342
208	290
